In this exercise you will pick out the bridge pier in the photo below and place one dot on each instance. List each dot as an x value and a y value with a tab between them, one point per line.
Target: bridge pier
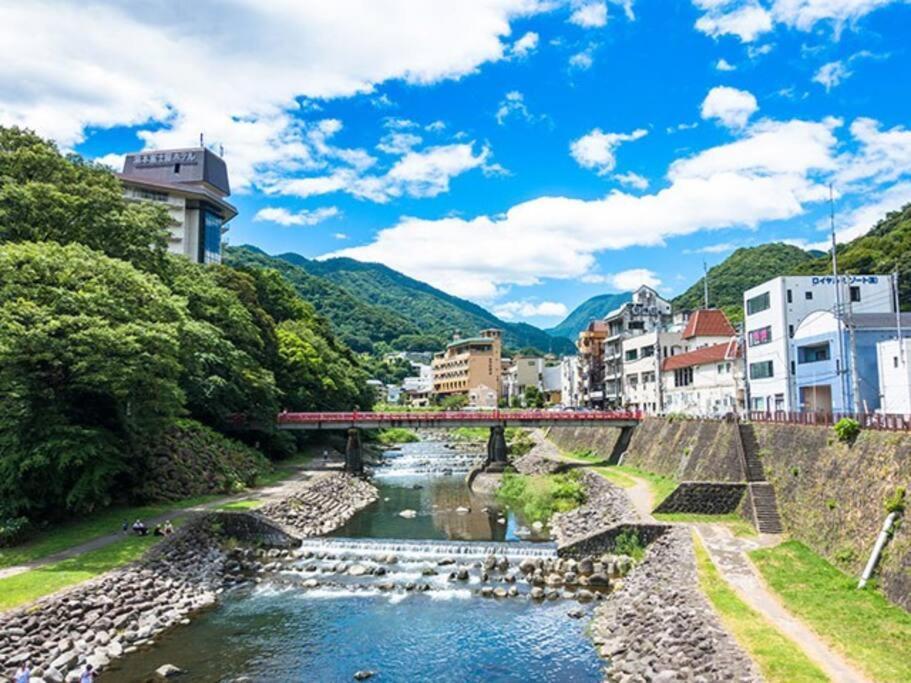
496	450
354	461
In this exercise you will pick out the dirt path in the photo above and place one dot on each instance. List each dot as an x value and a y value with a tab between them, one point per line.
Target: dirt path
266	494
729	554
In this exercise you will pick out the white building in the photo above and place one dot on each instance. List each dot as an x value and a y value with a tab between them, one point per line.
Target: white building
192	185
894	363
642	368
552	383
774	310
570	382
707	382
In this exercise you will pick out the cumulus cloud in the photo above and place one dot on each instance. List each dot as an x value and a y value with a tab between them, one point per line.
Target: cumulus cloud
399	143
883	156
732	107
239	79
724	65
513	106
595	149
747	20
583	60
305	217
590	14
511	310
525	45
625	280
832	74
633	180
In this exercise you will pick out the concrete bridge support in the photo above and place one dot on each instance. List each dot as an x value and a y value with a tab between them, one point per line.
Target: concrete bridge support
354	461
496	450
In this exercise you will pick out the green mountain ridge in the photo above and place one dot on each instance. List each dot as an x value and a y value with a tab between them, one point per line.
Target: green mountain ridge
369	303
590	309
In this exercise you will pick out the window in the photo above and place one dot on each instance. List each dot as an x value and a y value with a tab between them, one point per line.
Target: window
636	325
758	303
633	381
813	354
723	368
758	403
790	331
790	297
894	361
761	370
793	368
761	336
648	377
632	354
647	352
808	296
210	238
683	377
176	168
854	292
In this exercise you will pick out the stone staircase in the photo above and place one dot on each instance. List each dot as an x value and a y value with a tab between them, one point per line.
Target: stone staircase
765	508
762	495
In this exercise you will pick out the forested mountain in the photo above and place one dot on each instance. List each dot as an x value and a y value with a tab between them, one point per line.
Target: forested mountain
745	268
885	249
588	310
423	317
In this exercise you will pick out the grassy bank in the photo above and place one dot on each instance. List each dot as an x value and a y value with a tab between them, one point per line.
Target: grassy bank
778	658
737	524
867	628
538	497
396	435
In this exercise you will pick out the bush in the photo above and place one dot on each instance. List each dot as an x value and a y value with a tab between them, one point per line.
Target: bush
538	497
395	435
629	543
847	429
13	530
896	502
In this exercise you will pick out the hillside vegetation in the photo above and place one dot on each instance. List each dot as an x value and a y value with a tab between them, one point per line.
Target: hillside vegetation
370	303
594	308
106	341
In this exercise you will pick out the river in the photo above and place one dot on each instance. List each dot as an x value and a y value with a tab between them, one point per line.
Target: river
441	631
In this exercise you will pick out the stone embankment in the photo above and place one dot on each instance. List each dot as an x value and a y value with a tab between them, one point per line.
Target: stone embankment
319	506
606	505
127	608
659	627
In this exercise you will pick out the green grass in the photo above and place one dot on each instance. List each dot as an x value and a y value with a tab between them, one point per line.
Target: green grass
862	624
538	497
469	434
737	524
250	504
660	485
283	469
778	657
29	586
395	435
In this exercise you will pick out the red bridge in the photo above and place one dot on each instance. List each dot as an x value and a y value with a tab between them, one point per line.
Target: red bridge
462	418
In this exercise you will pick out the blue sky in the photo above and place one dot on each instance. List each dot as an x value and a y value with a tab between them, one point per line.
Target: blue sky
524	154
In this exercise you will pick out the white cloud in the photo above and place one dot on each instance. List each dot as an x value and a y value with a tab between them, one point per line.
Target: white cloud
511	310
596	148
304	217
423	173
590	14
435	127
883	156
731	106
340	236
627	6
724	65
112	160
236	72
746	20
513	105
832	74
583	60
719	248
633	278
633	180
525	45
399	143
770	174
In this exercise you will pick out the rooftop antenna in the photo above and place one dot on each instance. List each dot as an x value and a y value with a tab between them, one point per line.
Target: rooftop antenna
705	282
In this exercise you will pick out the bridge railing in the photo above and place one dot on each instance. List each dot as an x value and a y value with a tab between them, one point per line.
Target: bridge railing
459	416
889	422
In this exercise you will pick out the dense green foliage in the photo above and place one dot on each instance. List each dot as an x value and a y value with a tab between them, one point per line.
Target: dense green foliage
375	308
106	340
395	435
538	497
847	429
745	268
591	309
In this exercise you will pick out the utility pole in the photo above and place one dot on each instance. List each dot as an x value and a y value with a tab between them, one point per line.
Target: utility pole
898	318
705	282
838	308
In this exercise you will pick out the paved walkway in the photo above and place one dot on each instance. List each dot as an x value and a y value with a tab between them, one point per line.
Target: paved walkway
266	494
729	554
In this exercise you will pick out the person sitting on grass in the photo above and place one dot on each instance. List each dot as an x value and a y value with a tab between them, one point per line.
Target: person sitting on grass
168	528
139	528
159	531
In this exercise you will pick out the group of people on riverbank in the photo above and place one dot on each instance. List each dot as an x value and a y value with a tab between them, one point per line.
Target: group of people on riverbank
140	529
24	674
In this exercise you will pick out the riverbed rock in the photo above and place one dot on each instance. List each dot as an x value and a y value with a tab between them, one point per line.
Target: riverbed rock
364	675
357	570
168	671
408	514
527	566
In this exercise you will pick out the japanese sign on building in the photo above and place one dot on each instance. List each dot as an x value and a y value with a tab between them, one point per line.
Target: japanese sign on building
846	280
165	158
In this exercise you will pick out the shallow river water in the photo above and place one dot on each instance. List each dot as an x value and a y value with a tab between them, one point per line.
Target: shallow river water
279	631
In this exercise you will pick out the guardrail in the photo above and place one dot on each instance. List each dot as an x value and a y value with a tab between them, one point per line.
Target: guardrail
287	418
888	422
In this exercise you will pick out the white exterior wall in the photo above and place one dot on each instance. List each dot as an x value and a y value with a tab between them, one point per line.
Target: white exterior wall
570	379
713	393
895	376
783	317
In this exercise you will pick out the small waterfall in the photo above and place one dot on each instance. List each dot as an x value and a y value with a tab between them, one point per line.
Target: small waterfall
425	550
426	458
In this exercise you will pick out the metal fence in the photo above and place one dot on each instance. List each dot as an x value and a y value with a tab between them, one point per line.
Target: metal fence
898	423
462	416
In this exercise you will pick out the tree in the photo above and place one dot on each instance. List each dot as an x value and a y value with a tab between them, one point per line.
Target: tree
533	397
89	364
45	196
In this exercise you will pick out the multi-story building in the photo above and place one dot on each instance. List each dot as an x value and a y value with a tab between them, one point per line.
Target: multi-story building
467	364
775	309
570	382
591	364
192	185
552	383
893	359
824	383
522	372
705	382
646	312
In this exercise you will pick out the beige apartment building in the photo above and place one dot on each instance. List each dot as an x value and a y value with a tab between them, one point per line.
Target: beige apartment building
467	364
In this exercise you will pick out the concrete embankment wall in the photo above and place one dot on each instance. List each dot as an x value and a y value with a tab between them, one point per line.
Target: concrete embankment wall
831	496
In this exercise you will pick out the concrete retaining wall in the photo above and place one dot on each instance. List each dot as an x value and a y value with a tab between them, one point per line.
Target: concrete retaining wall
254	529
604	541
705	498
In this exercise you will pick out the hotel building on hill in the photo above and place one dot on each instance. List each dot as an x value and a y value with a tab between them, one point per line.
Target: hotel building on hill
192	185
468	364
